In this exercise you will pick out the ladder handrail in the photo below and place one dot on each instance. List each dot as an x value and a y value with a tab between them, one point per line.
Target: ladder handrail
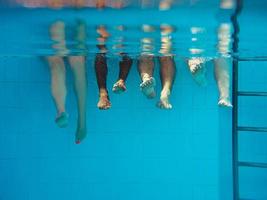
235	168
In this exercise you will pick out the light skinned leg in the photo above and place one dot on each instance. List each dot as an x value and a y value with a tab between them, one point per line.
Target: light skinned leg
197	67
78	67
57	34
167	75
146	69
58	78
58	88
222	76
146	66
58	71
57	66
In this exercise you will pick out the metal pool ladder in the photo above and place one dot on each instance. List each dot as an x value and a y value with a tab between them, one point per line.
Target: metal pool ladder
236	129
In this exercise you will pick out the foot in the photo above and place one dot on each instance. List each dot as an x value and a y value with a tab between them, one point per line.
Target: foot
62	120
225	102
164	100
148	87
103	102
119	87
80	135
194	64
198	70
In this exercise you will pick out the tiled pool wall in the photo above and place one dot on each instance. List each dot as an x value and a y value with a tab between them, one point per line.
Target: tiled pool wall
133	151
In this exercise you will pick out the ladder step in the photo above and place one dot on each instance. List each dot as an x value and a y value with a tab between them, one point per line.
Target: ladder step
246	199
261	58
261	94
252	164
255	129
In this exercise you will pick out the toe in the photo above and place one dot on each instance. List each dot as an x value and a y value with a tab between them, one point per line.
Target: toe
225	103
107	105
142	85
159	104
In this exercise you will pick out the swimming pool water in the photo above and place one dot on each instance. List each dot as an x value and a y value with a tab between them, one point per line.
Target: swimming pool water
134	150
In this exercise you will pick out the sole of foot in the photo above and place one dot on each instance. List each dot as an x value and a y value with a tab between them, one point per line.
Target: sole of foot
148	87
164	102
199	76
225	102
119	87
62	120
198	70
104	103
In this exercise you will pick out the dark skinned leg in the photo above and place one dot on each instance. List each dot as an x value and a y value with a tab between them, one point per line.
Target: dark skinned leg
101	71
125	66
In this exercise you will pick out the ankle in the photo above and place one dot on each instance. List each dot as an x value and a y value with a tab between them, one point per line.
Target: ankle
120	80
60	112
103	92
145	76
165	91
224	97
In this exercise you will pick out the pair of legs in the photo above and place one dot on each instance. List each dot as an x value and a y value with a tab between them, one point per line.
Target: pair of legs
146	67
221	73
221	65
58	78
101	70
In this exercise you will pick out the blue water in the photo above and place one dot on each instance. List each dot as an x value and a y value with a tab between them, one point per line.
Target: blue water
134	150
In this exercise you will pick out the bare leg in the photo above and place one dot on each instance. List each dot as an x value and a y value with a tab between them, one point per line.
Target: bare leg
146	69
58	88
101	68
78	67
167	74
58	71
79	3
197	68
80	37
55	3
223	81
125	66
100	3
101	76
57	33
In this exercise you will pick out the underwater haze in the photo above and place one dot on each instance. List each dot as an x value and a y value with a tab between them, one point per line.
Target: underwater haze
141	143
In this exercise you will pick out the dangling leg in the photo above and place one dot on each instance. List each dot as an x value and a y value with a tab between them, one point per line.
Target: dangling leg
146	69
58	88
57	34
222	76
125	66
101	71
197	68
101	68
167	75
78	67
58	71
